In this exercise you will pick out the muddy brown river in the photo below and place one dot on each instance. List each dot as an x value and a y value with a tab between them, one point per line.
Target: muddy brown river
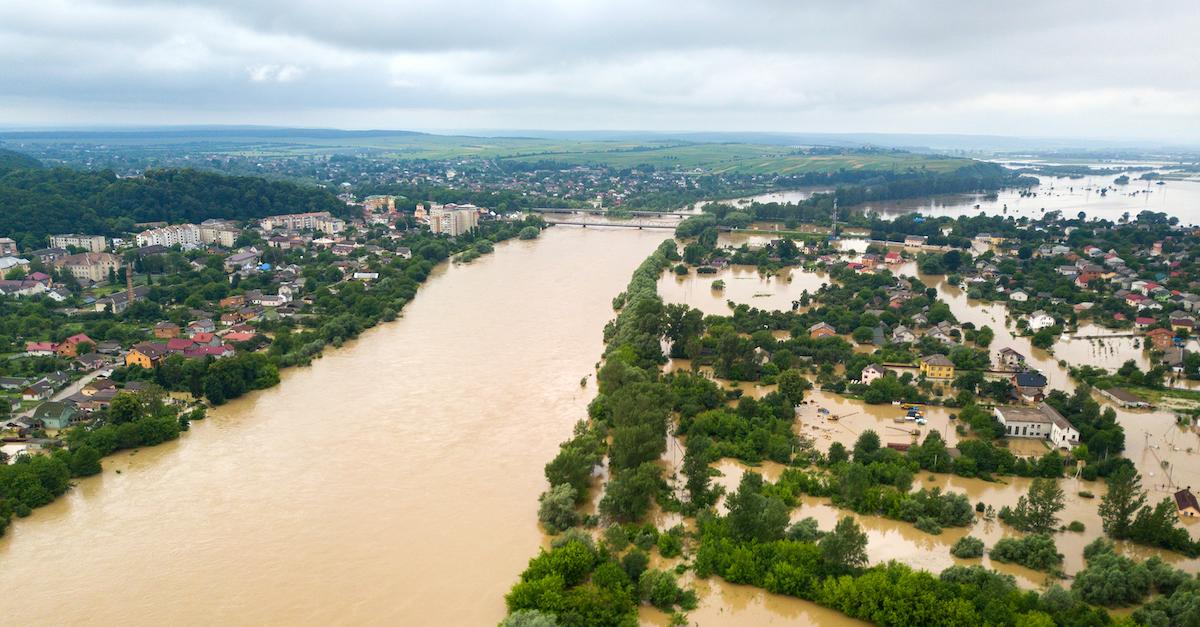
395	481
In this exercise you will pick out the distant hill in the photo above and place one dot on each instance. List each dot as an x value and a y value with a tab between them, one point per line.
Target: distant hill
37	201
12	160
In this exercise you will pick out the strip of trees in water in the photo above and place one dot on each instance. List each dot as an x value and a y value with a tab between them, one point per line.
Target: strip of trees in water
753	542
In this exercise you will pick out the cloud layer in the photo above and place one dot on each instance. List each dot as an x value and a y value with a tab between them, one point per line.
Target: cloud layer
1063	68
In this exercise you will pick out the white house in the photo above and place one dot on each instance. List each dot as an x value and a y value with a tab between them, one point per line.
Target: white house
1018	296
1011	358
1039	320
1041	422
872	372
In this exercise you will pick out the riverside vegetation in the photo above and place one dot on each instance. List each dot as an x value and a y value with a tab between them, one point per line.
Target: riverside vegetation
581	579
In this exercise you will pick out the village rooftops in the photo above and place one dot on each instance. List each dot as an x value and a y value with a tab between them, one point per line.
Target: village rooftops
1043	413
1186	502
937	360
1030	379
1125	397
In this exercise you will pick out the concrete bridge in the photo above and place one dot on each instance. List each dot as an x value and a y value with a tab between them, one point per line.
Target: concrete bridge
603	212
622	225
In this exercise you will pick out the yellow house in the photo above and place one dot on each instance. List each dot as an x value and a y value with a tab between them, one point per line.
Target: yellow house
144	355
937	367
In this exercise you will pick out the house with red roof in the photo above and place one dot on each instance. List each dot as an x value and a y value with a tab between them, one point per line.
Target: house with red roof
1143	322
240	336
215	352
70	346
1162	339
40	349
179	344
206	339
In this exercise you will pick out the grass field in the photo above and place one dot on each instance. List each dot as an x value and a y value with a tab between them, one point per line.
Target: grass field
667	154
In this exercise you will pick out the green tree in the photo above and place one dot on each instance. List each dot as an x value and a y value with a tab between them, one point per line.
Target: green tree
85	461
628	495
837	453
845	548
1037	511
793	385
754	516
967	547
556	509
695	466
1123	500
866	446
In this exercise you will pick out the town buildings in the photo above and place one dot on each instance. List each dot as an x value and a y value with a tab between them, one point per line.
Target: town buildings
321	221
90	243
94	267
1186	503
453	220
1125	398
219	232
871	373
1011	359
821	329
1042	422
937	367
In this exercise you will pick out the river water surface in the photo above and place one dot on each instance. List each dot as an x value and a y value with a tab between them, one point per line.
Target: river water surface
393	482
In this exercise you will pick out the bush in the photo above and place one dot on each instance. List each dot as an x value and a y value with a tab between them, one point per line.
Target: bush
928	525
1076	526
1086	494
557	508
529	232
967	547
1037	551
670	545
660	589
634	563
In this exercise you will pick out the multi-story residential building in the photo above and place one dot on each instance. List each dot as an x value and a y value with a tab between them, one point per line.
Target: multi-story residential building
7	246
453	220
90	243
316	221
185	235
220	232
93	267
376	204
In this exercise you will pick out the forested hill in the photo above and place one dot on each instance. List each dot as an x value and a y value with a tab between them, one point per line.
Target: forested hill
11	160
36	201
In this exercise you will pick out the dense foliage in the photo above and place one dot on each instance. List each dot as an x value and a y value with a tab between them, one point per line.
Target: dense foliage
36	202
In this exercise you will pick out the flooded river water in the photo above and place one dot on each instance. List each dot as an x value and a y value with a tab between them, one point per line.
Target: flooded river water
395	481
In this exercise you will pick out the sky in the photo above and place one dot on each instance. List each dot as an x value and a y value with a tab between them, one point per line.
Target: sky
1060	68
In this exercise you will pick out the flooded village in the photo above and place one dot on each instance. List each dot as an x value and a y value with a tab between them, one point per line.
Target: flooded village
549	300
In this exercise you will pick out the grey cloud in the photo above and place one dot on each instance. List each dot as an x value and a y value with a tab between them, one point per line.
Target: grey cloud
1044	68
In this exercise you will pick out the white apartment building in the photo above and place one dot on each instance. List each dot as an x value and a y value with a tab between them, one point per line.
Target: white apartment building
316	221
90	243
219	232
185	235
453	220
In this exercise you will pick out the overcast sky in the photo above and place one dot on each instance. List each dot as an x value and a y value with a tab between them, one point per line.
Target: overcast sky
1039	68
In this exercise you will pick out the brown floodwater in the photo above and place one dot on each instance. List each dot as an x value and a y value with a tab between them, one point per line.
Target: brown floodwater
393	482
1152	437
